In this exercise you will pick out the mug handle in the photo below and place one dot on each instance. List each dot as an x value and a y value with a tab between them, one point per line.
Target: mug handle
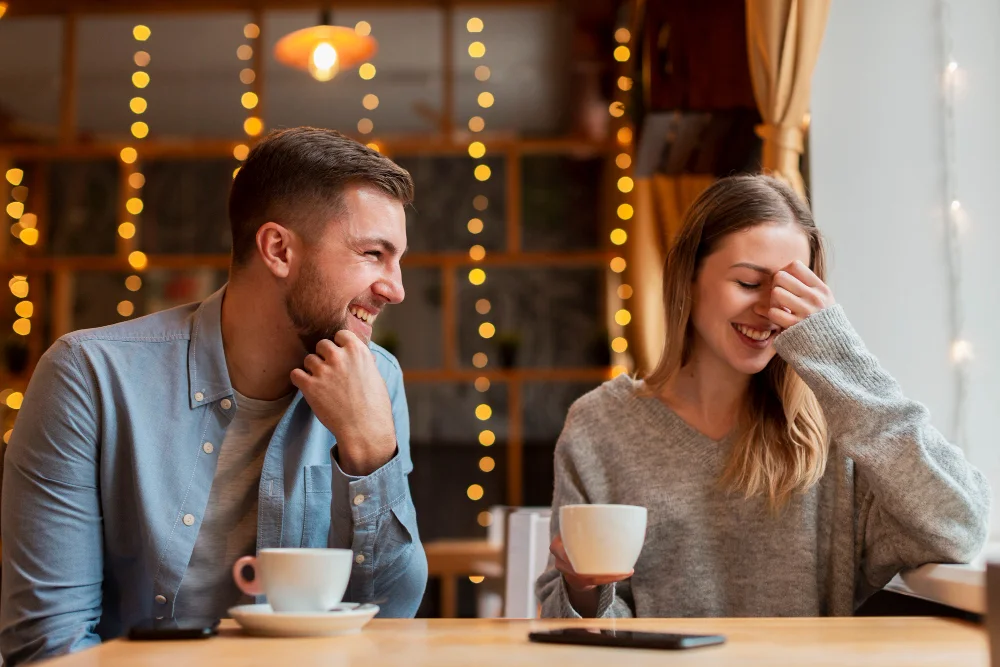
248	587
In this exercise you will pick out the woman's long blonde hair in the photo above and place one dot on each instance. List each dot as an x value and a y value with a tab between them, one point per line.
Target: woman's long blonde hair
780	445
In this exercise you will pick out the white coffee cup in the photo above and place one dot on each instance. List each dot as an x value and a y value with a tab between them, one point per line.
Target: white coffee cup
297	580
602	539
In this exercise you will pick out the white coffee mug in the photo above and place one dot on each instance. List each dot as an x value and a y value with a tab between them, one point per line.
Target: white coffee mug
297	580
602	539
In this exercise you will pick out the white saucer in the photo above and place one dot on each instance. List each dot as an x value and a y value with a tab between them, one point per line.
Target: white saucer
345	619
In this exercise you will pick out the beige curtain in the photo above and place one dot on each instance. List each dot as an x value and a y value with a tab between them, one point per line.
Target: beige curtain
783	38
660	203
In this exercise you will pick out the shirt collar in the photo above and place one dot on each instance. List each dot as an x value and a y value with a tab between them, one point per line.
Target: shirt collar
208	375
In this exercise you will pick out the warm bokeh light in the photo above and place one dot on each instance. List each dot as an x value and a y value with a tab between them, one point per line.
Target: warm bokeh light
20	193
134	206
140	79
624	291
251	31
249	100
487	330
483	412
374	146
618	264
487	438
477	149
619	236
485	100
483	73
477	276
624	83
625	211
247	75
370	101
15	209
477	253
141	59
618	370
22	327
624	160
126	230
622	35
363	28
475	24
125	308
475	226
137	260
477	49
480	202
625	184
253	126
24	309
14	176
29	221
619	345
244	52
475	492
479	360
623	317
367	71
365	126
136	180
483	306
485	519
616	109
482	385
140	130
19	288
137	104
624	136
10	432
622	53
482	173
141	33
14	400
240	152
128	155
133	283
477	124
28	236
487	464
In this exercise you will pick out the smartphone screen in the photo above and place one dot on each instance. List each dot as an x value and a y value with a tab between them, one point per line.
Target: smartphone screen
174	628
626	638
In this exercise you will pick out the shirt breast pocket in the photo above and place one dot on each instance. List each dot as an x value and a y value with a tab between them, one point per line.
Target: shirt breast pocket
319	496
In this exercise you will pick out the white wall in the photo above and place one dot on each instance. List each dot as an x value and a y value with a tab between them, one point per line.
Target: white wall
877	171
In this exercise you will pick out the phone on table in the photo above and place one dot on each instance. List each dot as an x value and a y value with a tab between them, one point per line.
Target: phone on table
174	628
625	638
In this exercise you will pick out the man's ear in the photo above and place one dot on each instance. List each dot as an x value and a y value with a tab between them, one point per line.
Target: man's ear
276	247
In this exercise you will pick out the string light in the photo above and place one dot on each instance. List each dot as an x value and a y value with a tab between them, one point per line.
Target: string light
369	101
24	225
477	150
961	347
619	235
252	124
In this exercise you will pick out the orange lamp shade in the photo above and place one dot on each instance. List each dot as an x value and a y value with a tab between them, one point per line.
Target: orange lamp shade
323	50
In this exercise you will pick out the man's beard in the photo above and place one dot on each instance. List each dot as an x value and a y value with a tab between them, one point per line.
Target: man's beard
306	304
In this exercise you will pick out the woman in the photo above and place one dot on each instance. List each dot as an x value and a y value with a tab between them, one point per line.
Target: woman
784	471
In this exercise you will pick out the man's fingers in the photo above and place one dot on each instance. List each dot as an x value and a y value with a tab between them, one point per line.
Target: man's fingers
346	338
313	364
299	377
326	349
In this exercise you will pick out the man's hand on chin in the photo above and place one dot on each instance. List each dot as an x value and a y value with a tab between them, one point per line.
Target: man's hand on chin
348	395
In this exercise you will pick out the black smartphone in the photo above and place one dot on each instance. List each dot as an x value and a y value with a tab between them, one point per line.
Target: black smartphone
174	628
626	638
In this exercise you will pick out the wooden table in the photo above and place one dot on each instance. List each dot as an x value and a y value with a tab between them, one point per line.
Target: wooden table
817	642
450	559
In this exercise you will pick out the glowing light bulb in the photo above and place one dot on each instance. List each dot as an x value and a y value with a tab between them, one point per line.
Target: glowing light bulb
324	63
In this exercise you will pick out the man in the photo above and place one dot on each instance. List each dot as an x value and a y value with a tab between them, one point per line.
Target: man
149	455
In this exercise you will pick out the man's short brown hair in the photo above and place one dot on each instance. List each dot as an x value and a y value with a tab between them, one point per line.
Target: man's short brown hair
296	178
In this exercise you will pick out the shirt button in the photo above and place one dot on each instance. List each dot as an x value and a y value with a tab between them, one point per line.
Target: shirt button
359	559
188	519
358	499
208	447
160	599
198	396
226	404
